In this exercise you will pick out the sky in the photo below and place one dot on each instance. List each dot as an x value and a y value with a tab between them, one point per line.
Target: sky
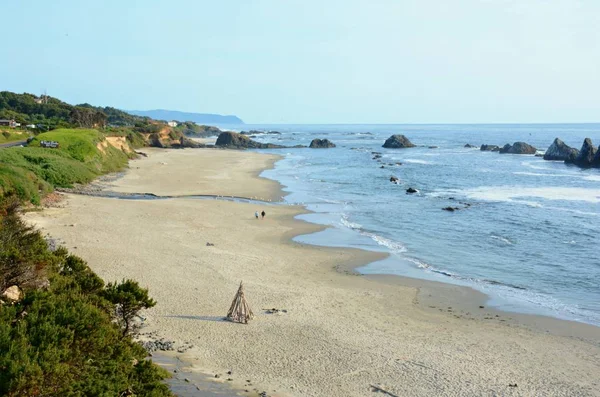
288	61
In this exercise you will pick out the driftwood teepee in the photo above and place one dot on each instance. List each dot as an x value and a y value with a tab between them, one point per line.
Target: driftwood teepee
240	312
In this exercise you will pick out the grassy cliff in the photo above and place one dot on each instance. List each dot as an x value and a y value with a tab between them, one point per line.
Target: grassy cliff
31	172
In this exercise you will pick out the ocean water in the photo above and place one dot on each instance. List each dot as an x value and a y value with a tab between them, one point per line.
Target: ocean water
527	233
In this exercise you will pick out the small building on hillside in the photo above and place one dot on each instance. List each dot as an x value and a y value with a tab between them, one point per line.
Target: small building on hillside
9	123
172	123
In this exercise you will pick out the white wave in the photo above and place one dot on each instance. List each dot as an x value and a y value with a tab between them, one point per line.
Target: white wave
330	201
351	225
503	239
538	174
595	178
531	164
394	246
415	161
578	212
570	242
510	193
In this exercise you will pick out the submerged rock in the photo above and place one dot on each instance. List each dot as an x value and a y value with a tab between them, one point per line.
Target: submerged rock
450	209
398	142
411	190
394	179
518	148
469	146
587	156
321	144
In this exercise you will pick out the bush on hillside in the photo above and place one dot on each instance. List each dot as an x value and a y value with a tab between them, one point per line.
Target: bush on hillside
60	340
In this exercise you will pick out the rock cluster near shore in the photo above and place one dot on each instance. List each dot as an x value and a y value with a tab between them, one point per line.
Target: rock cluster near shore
489	148
234	140
515	148
587	157
321	144
518	148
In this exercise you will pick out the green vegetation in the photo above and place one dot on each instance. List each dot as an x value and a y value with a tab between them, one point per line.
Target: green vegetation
129	299
11	135
62	338
51	113
189	128
32	171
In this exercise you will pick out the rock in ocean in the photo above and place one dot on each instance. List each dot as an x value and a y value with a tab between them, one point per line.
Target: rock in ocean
560	151
321	144
518	148
489	148
587	156
238	141
398	142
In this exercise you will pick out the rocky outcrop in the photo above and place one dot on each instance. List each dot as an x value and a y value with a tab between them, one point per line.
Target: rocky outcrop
587	157
411	190
321	144
489	148
518	148
560	151
469	146
233	140
154	140
12	294
596	161
188	143
394	179
398	142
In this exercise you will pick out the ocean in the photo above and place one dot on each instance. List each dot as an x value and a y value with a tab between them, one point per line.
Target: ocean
526	232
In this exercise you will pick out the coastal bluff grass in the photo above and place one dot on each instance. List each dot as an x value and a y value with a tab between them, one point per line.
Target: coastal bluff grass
33	171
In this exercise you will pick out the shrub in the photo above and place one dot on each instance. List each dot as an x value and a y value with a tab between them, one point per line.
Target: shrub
129	298
61	340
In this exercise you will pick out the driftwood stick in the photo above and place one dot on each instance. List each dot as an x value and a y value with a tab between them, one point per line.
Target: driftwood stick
379	389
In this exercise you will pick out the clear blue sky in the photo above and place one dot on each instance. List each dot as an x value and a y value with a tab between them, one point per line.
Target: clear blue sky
287	61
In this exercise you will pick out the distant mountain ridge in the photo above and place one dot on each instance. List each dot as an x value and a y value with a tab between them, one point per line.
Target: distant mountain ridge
204	118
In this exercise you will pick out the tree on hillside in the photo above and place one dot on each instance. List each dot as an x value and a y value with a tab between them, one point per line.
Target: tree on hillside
129	298
87	117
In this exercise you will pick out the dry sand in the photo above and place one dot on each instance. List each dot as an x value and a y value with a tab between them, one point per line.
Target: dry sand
341	333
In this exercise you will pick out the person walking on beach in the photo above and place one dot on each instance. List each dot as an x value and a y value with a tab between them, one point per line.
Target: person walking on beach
256	214
263	214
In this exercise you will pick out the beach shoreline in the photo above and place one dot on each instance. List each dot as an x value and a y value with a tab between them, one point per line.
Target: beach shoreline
386	309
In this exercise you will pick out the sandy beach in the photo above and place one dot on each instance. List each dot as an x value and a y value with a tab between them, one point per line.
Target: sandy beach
342	333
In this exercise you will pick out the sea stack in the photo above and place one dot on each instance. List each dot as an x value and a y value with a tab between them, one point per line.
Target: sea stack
587	155
560	151
398	142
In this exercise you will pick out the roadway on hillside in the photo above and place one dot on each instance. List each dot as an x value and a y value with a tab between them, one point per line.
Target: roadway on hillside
10	144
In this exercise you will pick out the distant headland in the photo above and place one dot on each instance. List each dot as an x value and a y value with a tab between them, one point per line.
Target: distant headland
203	118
